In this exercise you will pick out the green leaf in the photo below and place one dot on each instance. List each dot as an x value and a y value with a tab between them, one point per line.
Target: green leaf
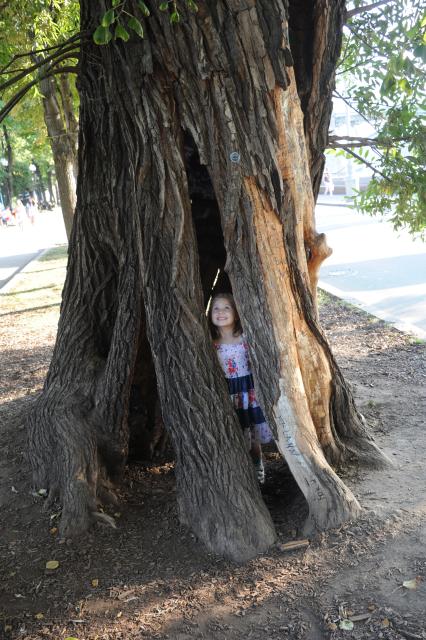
102	35
134	24
108	18
420	52
143	8
388	84
346	625
121	32
405	85
164	6
175	17
191	4
115	3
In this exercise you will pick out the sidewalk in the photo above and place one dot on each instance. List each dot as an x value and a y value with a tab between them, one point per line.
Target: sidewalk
19	247
335	200
374	267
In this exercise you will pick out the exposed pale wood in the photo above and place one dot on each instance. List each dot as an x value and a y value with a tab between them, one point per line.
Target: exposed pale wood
330	502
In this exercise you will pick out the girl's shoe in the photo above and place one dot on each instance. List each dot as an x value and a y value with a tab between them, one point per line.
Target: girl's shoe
260	471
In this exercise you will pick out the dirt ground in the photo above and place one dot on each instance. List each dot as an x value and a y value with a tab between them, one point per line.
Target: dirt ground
150	578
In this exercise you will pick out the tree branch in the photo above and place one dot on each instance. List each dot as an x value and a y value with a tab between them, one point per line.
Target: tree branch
367	44
50	61
22	92
368	7
362	63
368	164
338	142
346	101
27	54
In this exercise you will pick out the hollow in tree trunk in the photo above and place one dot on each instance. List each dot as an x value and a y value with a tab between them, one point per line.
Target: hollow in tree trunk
220	97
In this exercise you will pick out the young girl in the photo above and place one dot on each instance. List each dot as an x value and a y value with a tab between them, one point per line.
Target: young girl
232	350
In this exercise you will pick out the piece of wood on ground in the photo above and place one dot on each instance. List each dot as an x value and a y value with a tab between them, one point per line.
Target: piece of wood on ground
295	544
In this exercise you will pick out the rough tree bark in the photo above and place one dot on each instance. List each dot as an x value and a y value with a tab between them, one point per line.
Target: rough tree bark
223	85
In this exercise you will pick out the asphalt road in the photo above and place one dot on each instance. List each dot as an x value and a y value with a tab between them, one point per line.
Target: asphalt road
19	247
374	267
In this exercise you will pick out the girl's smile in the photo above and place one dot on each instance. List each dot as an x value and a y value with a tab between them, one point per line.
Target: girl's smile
222	313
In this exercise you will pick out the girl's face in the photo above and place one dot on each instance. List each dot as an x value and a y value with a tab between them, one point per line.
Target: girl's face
222	314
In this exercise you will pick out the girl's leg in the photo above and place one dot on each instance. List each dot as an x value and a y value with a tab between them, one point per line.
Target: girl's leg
256	451
256	456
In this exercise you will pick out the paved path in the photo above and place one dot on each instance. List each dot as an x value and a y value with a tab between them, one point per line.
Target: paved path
374	267
18	248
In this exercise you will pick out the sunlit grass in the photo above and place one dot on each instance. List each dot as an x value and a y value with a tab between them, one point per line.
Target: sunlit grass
36	287
56	253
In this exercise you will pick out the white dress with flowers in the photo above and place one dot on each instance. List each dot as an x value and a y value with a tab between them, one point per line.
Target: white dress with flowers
235	362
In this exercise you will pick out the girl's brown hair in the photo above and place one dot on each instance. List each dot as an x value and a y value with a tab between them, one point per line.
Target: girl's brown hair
237	326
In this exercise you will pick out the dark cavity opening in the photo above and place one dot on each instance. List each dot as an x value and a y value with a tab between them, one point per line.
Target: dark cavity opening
207	224
148	439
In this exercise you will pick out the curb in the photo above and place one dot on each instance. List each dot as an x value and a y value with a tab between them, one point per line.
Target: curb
335	204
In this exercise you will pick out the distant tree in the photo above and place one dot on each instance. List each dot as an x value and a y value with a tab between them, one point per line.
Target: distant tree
28	145
6	168
37	57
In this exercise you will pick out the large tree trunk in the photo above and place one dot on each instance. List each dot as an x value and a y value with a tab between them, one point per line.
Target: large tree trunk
217	98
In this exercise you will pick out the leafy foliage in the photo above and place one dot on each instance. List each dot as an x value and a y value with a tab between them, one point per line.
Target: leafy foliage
27	26
29	143
125	22
382	75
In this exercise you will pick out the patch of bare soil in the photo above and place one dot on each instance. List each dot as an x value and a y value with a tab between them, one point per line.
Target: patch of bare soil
150	578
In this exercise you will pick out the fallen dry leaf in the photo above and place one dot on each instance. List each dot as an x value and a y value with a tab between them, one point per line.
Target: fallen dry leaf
412	584
346	625
95	582
39	616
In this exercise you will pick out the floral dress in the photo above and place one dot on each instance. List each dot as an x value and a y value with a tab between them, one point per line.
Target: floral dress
234	359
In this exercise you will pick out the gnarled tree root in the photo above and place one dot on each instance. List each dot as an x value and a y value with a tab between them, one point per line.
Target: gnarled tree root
65	445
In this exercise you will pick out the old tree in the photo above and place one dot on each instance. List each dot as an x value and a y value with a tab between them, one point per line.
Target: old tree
201	148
